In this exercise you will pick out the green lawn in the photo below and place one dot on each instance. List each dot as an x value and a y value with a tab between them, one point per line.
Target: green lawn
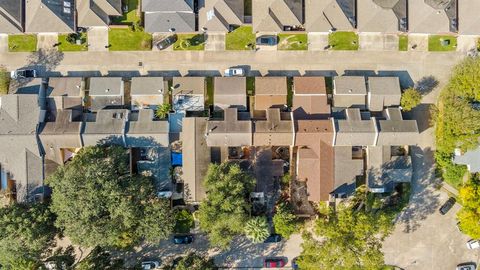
435	43
190	42
66	46
241	38
209	99
131	16
128	40
292	42
251	86
403	43
343	41
183	221
22	43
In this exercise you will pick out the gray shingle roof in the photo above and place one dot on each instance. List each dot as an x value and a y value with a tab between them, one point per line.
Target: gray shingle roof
471	158
49	16
381	16
354	131
426	19
395	131
468	17
231	131
142	130
383	92
104	126
324	15
164	21
11	16
218	15
147	86
97	12
167	5
273	15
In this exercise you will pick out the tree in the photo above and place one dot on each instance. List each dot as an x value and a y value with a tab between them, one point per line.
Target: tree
4	81
99	259
284	220
163	110
99	203
350	240
469	215
257	229
194	261
27	230
410	99
224	211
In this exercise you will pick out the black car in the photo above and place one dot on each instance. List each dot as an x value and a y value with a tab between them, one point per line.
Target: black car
183	239
166	42
447	206
269	40
274	238
23	73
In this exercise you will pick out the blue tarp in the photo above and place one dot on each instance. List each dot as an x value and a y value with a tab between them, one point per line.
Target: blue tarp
177	159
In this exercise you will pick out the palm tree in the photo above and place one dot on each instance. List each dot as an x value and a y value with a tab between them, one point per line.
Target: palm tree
163	110
257	229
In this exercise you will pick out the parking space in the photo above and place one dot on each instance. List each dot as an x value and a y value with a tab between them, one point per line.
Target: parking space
215	42
378	42
98	39
317	41
46	41
265	47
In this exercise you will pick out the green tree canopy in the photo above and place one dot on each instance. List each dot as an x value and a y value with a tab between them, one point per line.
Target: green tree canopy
349	241
27	230
194	261
225	210
469	215
410	99
284	220
257	229
99	203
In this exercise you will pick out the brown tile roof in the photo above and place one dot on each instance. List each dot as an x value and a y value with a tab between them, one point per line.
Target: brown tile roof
264	102
309	86
276	129
271	86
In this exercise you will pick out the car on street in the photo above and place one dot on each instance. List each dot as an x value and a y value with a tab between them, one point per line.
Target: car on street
268	40
273	238
166	42
473	244
447	206
23	73
274	263
233	72
183	239
466	266
148	265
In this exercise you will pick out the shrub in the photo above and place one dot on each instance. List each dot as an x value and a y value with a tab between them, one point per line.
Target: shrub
285	221
410	99
257	230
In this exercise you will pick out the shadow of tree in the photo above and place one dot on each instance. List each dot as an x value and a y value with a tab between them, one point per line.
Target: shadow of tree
426	84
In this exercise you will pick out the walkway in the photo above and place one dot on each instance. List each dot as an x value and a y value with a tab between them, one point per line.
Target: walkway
98	39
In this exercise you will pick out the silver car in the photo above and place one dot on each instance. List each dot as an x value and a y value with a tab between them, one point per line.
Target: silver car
466	266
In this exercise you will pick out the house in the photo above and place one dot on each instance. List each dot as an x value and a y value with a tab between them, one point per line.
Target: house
468	17
105	127
315	157
471	159
169	16
94	13
220	15
143	130
383	92
310	100
188	93
106	93
270	92
355	130
394	130
349	91
348	168
147	92
277	15
43	16
230	92
11	16
64	93
432	17
382	16
235	129
330	15
385	171
21	162
274	128
196	157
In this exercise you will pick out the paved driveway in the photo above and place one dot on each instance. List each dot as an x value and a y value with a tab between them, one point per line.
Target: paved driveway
317	41
46	41
98	39
378	42
215	42
3	43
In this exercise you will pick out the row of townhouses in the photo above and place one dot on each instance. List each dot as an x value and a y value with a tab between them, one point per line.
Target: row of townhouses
378	16
331	139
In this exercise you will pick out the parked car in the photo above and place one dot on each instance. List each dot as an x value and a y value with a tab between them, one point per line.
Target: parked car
447	206
274	238
268	40
147	265
473	244
183	239
232	72
466	266
166	42
23	73
274	263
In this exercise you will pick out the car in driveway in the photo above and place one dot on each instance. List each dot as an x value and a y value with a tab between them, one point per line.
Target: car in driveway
166	42
473	244
148	265
466	266
233	72
447	206
267	40
274	263
273	238
23	73
183	239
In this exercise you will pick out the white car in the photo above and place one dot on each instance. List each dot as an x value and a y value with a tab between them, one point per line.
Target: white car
473	244
148	265
231	72
23	73
466	266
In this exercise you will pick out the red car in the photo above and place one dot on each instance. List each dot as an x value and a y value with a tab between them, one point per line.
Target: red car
274	263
